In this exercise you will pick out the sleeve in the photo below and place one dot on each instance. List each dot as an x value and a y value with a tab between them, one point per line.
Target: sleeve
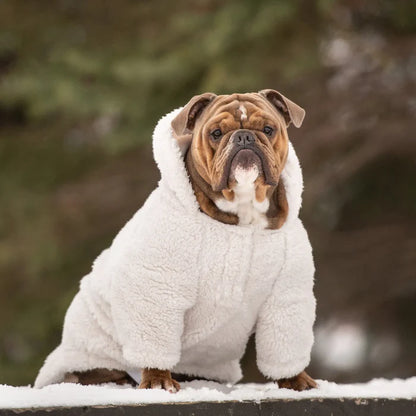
154	283
284	329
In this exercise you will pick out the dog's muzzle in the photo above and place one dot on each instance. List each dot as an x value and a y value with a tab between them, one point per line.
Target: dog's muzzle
245	153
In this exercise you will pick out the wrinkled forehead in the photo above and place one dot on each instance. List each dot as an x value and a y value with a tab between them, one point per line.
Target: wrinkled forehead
241	107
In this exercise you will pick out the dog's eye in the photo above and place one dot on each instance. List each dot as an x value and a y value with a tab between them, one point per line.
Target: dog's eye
268	130
216	134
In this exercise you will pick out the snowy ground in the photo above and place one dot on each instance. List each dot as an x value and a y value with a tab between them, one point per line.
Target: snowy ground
77	395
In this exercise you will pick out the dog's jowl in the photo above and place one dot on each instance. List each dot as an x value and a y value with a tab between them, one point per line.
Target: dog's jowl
216	253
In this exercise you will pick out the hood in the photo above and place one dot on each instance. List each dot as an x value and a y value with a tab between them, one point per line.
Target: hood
170	161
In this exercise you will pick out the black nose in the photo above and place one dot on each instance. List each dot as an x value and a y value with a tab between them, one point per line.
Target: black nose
243	138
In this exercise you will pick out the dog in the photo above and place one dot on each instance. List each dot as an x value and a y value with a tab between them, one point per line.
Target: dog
216	253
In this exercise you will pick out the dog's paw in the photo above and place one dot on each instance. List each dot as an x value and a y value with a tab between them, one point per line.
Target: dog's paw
300	382
153	378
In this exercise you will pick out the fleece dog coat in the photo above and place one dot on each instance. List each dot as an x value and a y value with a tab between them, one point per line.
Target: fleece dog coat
179	290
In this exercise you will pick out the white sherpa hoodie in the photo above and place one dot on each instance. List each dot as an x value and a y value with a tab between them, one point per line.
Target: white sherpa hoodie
179	290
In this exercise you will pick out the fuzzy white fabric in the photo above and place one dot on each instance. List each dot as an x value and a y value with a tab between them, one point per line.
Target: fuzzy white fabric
178	290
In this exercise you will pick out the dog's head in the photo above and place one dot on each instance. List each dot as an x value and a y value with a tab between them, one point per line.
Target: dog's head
230	135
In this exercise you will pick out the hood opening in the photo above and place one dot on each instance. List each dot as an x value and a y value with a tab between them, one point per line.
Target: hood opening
170	159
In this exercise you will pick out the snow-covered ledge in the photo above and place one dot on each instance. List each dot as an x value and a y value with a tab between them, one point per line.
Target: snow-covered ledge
380	397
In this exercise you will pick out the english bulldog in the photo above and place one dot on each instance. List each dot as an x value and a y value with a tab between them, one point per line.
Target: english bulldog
235	151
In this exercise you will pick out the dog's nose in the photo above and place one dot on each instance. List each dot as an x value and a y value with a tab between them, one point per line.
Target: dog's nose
243	138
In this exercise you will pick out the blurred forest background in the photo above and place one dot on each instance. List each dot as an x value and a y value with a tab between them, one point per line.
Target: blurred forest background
82	84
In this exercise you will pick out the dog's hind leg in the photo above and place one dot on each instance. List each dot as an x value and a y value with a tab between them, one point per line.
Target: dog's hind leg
99	376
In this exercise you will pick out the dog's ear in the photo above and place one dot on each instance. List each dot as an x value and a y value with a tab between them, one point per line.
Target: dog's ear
184	122
291	111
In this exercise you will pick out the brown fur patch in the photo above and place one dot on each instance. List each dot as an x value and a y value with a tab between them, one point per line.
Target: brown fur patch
279	207
99	376
206	196
228	194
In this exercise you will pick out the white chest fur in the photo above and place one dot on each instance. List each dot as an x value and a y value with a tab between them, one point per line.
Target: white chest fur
245	204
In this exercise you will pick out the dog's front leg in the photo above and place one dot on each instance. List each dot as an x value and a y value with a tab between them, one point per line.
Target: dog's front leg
300	382
284	328
152	378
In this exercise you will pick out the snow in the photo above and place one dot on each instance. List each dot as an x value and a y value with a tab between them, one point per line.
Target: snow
64	395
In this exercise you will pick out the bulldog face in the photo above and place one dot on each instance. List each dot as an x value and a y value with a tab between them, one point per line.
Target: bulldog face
239	137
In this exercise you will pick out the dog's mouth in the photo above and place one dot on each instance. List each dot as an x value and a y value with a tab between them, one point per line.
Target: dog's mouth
245	164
